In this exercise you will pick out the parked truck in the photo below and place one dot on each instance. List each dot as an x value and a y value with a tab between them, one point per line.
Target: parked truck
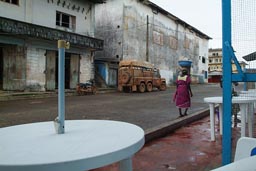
139	76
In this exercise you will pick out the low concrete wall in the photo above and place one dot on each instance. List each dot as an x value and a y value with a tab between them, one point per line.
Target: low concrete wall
167	128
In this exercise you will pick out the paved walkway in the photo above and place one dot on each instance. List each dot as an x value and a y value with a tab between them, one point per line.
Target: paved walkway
186	149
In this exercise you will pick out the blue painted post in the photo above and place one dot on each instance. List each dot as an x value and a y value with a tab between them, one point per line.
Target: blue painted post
61	86
245	83
227	85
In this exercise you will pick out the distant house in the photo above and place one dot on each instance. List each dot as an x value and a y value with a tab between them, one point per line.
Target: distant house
29	30
215	65
141	30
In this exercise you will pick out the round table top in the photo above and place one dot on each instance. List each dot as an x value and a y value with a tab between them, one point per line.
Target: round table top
247	92
236	99
247	95
86	144
243	92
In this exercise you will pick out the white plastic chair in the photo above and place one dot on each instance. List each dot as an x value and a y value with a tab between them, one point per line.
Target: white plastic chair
245	147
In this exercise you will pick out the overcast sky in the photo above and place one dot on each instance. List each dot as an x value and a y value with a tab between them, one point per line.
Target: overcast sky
205	15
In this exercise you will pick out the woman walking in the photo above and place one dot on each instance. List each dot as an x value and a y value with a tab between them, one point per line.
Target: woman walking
183	92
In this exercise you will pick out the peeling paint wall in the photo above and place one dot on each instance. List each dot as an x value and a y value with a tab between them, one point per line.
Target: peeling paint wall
35	68
134	25
109	26
167	39
203	60
86	67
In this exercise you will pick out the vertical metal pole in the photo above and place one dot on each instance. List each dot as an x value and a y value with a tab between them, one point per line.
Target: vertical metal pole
227	86
61	86
147	58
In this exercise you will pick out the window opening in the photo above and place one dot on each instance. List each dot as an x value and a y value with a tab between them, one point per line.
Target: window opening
15	2
65	20
203	60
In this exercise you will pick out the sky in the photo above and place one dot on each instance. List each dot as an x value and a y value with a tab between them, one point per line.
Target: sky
204	15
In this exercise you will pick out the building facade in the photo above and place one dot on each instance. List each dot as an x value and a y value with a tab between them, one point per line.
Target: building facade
29	31
141	30
215	65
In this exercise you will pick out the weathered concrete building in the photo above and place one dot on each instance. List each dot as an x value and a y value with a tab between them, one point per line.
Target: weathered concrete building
29	30
139	29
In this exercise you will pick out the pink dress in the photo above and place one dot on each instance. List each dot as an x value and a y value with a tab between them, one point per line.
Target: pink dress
182	94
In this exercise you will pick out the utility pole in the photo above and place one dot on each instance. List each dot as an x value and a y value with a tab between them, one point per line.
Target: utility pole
59	121
147	59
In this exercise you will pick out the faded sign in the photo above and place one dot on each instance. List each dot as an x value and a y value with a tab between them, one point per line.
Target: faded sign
158	38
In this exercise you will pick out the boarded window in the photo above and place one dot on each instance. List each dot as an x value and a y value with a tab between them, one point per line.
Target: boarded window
173	42
186	43
158	38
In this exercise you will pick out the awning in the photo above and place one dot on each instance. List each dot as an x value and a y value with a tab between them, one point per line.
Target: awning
250	57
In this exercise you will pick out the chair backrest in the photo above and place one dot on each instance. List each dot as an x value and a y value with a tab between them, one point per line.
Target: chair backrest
245	147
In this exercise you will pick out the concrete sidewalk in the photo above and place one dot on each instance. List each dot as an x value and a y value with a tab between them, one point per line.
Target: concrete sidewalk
17	95
185	149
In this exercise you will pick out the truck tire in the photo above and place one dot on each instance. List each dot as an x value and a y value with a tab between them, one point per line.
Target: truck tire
126	77
94	90
162	87
149	86
142	87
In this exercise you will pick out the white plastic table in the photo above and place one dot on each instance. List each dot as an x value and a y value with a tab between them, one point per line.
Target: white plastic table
86	144
244	104
246	164
248	92
247	95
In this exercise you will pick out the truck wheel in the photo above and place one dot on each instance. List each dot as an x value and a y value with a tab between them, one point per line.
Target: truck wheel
142	87
125	77
149	87
94	90
162	87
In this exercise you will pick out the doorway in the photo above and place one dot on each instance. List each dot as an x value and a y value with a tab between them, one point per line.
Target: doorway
66	69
